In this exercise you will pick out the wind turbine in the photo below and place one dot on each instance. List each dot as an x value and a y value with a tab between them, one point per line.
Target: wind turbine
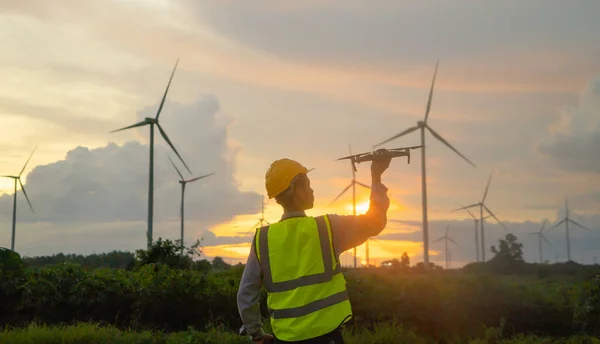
541	236
352	185
566	221
476	231
422	125
17	178
152	122
481	206
446	238
183	182
262	214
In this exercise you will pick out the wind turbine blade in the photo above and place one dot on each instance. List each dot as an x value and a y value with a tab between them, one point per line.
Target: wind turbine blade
162	102
558	224
176	169
204	176
543	225
577	224
437	136
454	242
494	216
27	162
473	216
438	239
468	206
352	167
139	124
487	186
407	131
256	225
164	135
340	195
267	222
26	197
431	91
546	240
447	230
363	185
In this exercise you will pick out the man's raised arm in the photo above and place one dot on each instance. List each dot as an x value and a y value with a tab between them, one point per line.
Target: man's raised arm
350	231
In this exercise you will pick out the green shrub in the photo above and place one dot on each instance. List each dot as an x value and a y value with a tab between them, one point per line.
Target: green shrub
437	306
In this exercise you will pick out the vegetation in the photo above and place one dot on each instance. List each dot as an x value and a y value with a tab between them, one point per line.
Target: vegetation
164	290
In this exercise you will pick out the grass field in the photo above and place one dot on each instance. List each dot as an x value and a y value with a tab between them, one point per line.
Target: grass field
503	301
95	334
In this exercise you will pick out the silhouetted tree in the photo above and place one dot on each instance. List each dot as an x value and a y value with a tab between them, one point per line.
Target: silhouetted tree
219	263
170	253
508	258
202	265
404	261
509	248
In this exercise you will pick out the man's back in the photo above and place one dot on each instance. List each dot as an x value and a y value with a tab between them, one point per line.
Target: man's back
306	290
347	232
307	294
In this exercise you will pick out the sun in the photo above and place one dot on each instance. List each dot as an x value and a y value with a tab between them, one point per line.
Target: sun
361	207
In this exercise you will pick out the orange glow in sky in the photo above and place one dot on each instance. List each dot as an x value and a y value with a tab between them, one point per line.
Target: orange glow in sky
379	250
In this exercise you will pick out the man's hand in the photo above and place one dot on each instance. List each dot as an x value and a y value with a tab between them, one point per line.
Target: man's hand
266	339
378	166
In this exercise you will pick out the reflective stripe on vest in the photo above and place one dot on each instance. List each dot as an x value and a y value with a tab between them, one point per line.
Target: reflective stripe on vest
307	294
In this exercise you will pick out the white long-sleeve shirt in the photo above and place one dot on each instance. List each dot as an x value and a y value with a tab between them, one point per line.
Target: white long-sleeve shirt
348	231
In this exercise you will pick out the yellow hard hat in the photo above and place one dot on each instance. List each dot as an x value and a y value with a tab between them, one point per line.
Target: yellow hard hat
280	175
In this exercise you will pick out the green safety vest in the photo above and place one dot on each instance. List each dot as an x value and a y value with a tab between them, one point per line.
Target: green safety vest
306	290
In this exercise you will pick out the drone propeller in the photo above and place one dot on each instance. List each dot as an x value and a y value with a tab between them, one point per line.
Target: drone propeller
406	148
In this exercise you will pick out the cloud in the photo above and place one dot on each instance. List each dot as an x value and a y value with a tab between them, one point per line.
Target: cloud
572	143
111	183
506	43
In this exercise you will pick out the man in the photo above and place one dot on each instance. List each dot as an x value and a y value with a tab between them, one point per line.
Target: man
297	259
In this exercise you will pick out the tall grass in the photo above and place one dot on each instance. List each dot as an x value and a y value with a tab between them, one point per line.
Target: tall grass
87	333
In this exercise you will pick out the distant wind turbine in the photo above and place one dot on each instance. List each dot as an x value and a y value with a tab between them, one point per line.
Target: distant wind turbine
566	221
183	182
151	122
541	236
476	231
482	206
352	185
446	238
17	178
261	220
422	125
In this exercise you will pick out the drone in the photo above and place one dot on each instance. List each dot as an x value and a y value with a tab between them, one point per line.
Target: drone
393	152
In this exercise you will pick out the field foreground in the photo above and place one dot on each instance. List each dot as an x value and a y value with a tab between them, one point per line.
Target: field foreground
384	334
163	297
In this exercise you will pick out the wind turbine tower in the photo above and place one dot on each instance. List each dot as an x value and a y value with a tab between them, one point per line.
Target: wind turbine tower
422	125
446	238
476	231
262	220
352	185
152	122
17	179
566	221
482	206
183	183
541	236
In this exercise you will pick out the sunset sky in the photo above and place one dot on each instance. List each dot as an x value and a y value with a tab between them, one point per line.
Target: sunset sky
517	92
